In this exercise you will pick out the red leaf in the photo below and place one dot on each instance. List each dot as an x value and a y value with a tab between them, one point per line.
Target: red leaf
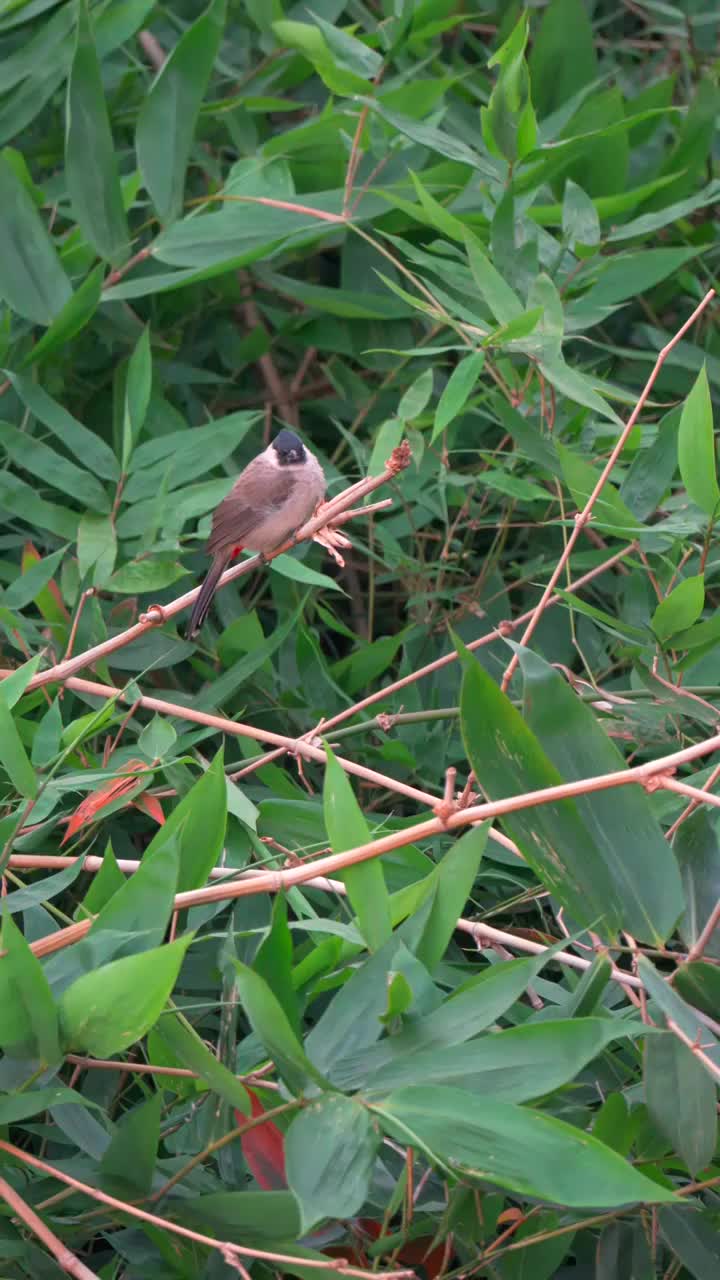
264	1149
111	790
152	807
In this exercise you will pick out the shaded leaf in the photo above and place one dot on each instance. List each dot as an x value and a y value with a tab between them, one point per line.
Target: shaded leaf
346	828
167	119
526	1151
138	384
696	447
28	1016
32	280
330	1152
457	391
90	165
680	609
681	1099
271	1024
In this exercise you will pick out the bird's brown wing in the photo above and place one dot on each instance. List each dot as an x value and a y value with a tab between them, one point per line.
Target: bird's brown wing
258	491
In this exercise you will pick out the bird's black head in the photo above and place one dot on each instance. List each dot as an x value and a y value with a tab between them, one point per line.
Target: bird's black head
288	447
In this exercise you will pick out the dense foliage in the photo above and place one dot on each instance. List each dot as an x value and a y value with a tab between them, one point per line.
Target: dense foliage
490	1051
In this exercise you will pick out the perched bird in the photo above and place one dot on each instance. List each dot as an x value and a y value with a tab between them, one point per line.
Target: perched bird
275	494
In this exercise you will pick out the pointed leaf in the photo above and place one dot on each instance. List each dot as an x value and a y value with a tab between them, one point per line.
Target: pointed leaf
89	449
346	828
330	1153
90	165
696	447
454	879
681	1098
184	1043
564	841
457	391
13	756
28	1016
32	280
71	319
138	385
526	1151
499	296
264	1149
270	1022
693	1236
680	609
641	878
127	1167
167	119
105	1011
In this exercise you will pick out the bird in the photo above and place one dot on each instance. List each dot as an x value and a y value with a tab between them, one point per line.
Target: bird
271	498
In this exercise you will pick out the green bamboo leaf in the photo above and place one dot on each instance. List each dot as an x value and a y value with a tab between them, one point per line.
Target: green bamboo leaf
496	1066
457	391
699	981
105	1011
168	116
84	444
273	961
609	509
71	319
52	468
681	1098
680	609
200	820
499	296
269	1020
389	435
187	1048
416	397
309	40
28	585
580	221
693	1235
13	756
28	1016
90	166
454	878
96	546
579	848
14	685
697	849
127	1167
32	280
640	877
346	828
138	386
674	1007
696	447
526	1151
135	915
330	1152
473	1008
149	574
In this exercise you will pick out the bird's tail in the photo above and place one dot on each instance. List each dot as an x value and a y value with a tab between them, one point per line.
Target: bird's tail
207	591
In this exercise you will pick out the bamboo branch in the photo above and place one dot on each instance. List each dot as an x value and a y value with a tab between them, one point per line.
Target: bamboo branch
224	1246
646	775
63	1256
